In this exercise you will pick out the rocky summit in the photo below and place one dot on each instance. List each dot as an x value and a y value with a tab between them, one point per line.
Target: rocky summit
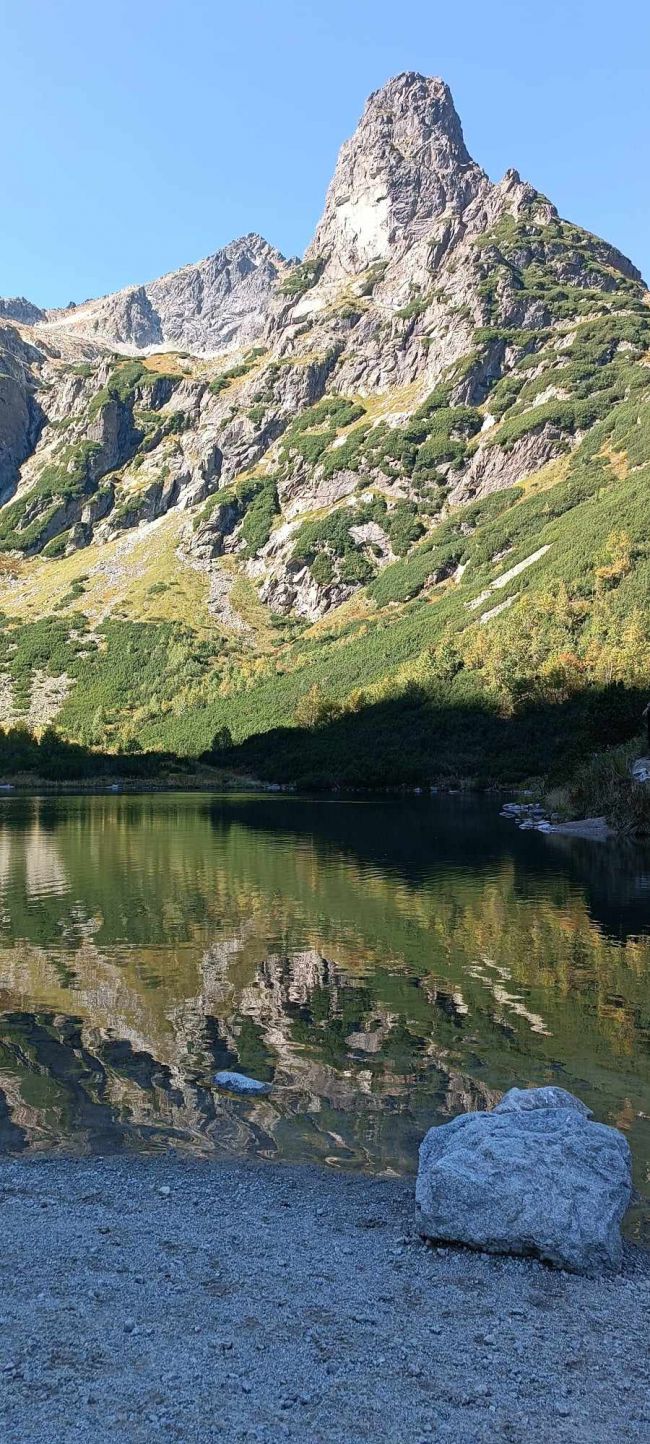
338	500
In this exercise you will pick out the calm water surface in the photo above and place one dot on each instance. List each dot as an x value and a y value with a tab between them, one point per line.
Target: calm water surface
386	963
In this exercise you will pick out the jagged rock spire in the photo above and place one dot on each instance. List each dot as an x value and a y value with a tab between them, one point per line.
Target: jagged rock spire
405	166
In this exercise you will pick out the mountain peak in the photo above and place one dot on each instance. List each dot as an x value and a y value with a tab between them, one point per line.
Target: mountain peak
18	308
417	102
405	165
215	305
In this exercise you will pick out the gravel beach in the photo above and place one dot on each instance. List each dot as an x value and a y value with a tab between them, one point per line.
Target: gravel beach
154	1299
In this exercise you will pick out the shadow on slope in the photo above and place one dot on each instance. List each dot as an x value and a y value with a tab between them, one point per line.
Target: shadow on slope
417	739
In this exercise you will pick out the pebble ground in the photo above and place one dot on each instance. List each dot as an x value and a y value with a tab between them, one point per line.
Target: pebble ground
154	1299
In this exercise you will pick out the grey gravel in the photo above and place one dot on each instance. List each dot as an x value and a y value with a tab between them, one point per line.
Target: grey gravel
270	1302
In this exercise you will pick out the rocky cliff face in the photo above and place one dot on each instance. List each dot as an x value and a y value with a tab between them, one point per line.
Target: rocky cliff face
404	168
311	425
21	413
16	308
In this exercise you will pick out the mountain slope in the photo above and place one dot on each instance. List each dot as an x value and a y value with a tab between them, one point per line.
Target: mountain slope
407	470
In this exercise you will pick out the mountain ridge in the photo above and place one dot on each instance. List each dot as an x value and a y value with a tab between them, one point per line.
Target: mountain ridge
210	305
408	108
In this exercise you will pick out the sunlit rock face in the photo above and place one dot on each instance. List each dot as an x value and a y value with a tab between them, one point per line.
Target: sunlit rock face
211	307
405	166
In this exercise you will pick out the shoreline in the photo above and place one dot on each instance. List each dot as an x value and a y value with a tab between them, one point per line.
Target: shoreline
589	829
594	829
23	785
156	1298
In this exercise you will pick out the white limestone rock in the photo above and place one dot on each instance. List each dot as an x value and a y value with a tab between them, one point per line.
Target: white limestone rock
404	167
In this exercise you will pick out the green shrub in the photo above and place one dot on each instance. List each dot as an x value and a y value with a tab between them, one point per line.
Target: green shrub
125	380
302	277
372	278
603	787
413	308
76	590
355	569
56	547
222	381
262	507
404	527
313	431
322	569
24	522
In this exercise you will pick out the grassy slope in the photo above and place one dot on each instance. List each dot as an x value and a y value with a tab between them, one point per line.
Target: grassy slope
579	620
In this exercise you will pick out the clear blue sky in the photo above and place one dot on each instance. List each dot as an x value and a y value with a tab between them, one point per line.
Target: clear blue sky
139	136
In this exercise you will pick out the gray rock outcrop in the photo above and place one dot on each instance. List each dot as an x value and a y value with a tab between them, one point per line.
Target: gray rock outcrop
533	1176
405	166
18	308
21	416
219	304
15	426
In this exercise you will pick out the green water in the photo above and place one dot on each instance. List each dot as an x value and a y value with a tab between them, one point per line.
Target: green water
387	964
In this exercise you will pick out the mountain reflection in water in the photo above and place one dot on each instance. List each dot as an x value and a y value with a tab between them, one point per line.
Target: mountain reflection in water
386	963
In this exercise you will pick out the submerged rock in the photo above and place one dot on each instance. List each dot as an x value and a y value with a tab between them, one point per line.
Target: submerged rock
521	1100
533	1176
239	1083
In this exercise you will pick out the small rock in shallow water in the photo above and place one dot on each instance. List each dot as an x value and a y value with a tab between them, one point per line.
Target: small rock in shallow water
239	1083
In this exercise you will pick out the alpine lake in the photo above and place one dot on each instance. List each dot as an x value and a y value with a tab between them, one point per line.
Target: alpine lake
385	963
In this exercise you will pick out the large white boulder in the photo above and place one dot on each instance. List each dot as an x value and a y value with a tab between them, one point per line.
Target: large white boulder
533	1176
